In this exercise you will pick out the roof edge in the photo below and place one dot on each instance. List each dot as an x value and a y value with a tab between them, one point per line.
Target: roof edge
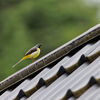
50	57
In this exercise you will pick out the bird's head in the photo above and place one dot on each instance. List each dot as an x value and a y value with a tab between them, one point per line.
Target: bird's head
38	45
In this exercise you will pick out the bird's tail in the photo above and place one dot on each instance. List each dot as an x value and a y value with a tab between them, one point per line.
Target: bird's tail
20	61
17	63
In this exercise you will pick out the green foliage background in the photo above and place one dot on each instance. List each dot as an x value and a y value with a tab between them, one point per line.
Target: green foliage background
24	23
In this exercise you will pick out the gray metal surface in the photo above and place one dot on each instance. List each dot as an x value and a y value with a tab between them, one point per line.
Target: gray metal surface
90	92
73	77
39	94
86	49
86	53
26	85
57	85
67	84
5	94
15	92
53	73
51	57
95	95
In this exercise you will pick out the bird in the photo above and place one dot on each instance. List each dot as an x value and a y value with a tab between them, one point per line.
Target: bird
32	53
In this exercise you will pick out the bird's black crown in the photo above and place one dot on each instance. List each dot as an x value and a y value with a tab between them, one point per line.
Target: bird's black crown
38	45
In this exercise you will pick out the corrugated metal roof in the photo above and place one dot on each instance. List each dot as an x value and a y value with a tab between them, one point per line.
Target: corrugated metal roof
75	76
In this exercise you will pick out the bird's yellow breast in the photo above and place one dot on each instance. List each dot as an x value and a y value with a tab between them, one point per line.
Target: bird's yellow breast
35	54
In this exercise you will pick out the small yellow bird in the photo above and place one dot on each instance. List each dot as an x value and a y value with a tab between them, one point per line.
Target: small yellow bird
32	54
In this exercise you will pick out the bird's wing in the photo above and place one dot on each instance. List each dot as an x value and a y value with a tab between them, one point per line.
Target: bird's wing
33	49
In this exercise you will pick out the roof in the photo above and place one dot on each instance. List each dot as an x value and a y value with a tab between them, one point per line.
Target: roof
69	72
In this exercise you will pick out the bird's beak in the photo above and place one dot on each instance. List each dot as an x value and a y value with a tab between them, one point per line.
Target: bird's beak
39	45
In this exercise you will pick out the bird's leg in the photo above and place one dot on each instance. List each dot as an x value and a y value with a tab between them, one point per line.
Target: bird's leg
32	59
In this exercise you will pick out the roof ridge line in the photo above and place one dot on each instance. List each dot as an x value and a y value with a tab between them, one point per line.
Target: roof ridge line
50	58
